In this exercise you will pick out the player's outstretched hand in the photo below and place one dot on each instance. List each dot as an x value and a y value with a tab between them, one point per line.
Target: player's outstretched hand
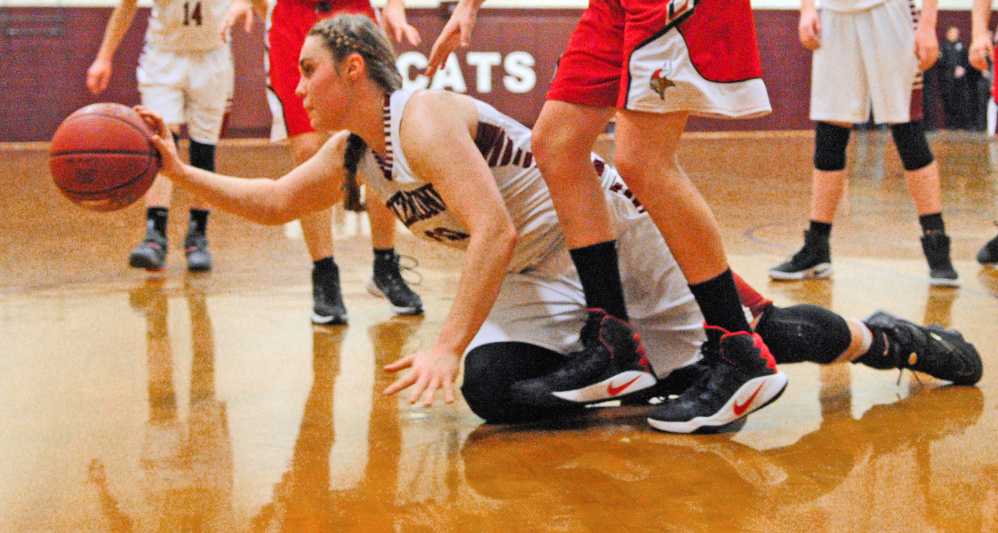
162	139
809	29
98	75
393	16
238	9
926	46
979	52
433	369
456	33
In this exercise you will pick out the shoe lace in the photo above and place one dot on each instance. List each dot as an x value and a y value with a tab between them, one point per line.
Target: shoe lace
407	265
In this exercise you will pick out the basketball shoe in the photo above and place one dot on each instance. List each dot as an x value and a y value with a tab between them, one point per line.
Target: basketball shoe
196	249
611	365
814	260
387	282
941	271
151	253
933	350
744	378
328	308
988	255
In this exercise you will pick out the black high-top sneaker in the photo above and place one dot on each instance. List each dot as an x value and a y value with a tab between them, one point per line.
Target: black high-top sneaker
988	254
150	254
941	271
387	282
933	350
196	249
814	260
744	379
328	308
611	365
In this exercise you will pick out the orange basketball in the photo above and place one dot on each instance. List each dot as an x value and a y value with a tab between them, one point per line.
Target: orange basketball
102	157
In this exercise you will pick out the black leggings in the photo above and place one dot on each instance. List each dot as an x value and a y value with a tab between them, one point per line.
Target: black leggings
490	370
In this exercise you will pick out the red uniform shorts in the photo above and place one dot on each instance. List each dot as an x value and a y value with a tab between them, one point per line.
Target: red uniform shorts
664	56
288	25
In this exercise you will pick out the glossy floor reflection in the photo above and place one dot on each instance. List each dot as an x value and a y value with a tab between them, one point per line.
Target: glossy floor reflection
179	402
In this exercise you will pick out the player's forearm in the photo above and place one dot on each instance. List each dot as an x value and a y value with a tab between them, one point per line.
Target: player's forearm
806	5
930	10
485	263
117	27
979	16
257	200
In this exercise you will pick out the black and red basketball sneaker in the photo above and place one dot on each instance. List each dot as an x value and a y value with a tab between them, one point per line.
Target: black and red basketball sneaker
150	254
933	350
743	379
611	365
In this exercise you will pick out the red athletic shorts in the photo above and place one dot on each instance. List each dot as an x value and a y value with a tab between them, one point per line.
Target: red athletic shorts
664	56
288	25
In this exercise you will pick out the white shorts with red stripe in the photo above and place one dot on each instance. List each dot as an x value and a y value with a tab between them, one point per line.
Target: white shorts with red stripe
665	56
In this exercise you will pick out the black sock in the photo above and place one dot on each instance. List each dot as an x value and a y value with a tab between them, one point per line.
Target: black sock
326	263
159	217
719	302
199	221
202	155
932	223
383	254
599	273
823	229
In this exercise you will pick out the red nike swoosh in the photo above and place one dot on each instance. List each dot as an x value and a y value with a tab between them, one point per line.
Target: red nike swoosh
613	391
740	409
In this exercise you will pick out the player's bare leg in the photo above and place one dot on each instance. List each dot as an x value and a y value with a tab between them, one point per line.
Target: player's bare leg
150	254
829	183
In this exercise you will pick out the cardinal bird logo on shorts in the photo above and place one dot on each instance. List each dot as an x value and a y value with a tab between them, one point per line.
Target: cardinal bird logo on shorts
659	83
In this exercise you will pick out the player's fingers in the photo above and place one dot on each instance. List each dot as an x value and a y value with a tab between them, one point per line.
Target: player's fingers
431	395
417	390
448	391
405	362
400	384
412	35
466	28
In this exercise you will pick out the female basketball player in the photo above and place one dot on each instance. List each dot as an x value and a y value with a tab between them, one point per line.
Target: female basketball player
457	171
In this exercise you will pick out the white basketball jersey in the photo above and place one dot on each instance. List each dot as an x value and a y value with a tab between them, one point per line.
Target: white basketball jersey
186	25
505	145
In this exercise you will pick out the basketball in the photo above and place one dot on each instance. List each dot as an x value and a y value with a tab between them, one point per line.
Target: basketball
102	157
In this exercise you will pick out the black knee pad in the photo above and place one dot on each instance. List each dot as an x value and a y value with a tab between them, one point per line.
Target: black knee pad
830	143
202	155
490	370
804	333
912	145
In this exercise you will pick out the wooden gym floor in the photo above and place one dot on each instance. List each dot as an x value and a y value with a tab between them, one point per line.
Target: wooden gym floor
178	402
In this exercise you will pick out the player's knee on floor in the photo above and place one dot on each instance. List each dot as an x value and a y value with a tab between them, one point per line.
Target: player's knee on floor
804	333
912	145
830	143
490	370
202	155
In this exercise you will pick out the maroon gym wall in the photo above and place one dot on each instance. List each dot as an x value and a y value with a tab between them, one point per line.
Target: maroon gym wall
42	77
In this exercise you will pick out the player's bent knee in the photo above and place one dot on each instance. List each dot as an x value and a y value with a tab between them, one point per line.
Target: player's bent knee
912	145
830	143
491	369
804	333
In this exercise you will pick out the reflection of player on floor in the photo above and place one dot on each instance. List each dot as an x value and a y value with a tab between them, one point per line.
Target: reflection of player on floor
287	24
980	51
652	65
457	171
185	73
869	49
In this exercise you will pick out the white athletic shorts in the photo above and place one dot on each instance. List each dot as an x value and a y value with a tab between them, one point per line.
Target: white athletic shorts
193	88
866	58
545	306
